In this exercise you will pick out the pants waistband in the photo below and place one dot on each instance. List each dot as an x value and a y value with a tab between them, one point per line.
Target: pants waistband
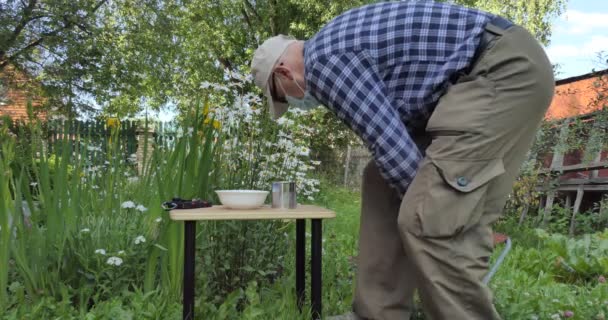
501	23
495	27
492	30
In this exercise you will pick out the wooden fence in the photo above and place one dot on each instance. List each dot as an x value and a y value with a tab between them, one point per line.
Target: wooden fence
94	136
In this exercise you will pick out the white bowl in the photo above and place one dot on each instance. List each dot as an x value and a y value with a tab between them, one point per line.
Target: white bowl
242	199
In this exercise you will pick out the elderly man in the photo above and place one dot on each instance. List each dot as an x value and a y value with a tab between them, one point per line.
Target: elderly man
448	100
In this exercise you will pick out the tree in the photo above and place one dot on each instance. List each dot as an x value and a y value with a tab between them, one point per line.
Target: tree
217	35
127	55
534	15
48	39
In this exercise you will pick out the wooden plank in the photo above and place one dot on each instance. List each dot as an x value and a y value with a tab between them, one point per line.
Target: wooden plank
558	154
132	139
577	206
580	167
548	207
160	135
599	187
556	161
264	213
598	159
583	181
347	164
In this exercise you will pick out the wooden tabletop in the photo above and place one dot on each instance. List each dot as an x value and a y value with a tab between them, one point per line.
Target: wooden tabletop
263	213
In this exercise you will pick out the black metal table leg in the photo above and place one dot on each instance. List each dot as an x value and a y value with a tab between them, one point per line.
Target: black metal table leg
315	262
300	261
188	285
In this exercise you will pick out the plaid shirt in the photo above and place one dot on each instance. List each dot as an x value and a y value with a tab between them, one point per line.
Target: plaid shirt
382	68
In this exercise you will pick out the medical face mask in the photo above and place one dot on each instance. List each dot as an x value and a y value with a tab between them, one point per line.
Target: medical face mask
307	102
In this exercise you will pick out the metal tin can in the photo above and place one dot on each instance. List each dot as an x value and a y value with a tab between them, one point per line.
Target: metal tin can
284	195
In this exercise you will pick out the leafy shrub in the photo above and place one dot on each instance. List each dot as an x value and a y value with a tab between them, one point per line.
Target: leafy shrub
101	229
582	259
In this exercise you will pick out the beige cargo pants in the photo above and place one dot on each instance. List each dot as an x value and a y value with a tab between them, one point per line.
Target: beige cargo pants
438	239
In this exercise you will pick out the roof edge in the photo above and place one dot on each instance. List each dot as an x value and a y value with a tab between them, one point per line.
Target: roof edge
581	77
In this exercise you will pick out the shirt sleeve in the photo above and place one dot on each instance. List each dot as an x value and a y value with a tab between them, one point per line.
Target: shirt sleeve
349	85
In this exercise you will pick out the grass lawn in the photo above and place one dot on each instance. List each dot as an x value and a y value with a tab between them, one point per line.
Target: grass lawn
529	285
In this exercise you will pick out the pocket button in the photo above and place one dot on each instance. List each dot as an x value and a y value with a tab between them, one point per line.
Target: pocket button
462	181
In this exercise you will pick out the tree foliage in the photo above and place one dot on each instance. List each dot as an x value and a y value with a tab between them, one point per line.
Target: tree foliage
127	55
534	15
50	40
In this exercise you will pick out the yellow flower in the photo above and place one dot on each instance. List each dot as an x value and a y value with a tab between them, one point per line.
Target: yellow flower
216	124
206	108
113	122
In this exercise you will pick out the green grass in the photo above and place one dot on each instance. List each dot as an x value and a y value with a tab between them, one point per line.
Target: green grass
256	301
527	285
340	237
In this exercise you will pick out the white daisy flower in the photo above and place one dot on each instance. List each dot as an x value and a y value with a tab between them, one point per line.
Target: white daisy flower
140	239
101	252
114	261
141	208
128	204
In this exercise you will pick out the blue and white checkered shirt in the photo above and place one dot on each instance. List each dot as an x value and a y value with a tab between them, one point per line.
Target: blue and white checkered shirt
382	68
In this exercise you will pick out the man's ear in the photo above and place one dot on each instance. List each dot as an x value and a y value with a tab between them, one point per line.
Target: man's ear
283	71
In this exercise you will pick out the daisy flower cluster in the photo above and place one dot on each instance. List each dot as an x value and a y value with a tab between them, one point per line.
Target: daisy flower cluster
276	151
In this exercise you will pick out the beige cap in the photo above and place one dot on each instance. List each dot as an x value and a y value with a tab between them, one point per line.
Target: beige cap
264	59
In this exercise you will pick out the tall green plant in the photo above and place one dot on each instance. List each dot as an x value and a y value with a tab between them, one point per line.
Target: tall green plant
40	248
6	157
186	174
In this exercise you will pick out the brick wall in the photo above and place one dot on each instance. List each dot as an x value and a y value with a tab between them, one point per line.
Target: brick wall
577	96
19	89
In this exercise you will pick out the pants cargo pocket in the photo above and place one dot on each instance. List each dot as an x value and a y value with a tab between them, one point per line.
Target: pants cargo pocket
447	196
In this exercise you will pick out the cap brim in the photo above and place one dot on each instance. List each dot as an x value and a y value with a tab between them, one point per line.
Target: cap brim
277	109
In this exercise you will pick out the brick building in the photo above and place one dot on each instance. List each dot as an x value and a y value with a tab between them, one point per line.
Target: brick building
16	90
582	174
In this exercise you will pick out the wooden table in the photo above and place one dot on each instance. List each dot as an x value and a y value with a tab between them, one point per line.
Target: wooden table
300	214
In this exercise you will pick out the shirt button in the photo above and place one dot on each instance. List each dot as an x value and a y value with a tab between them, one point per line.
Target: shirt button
462	181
